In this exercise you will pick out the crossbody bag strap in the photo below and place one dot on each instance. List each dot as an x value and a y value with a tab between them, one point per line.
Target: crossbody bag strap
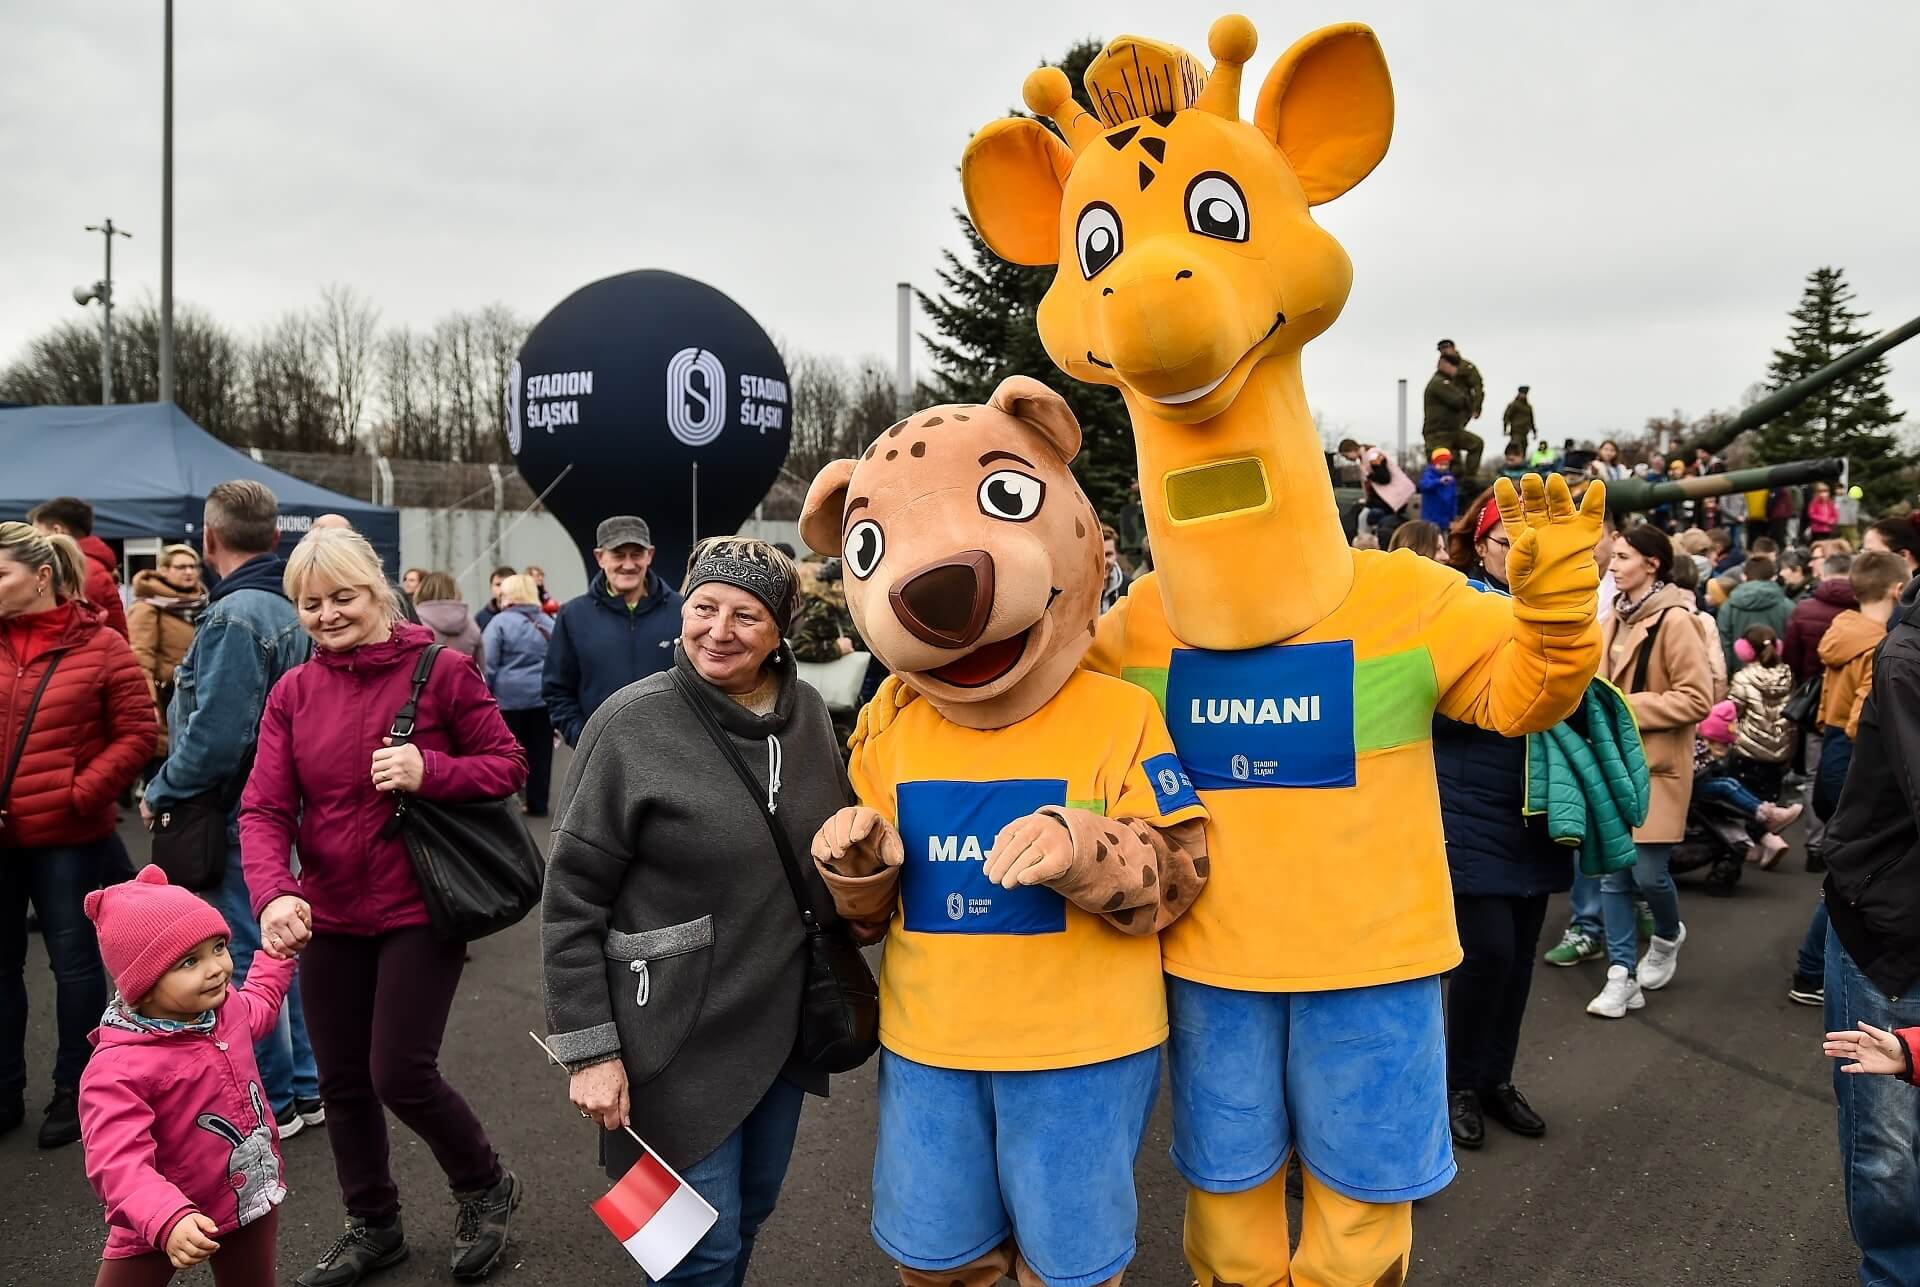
788	862
404	721
1645	657
26	727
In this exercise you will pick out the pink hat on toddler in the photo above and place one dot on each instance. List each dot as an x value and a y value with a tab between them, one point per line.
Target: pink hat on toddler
1718	725
144	926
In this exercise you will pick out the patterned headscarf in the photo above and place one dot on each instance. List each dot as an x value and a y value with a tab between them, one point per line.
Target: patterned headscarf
764	583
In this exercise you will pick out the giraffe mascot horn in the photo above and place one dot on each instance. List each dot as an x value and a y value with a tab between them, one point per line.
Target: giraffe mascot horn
1299	678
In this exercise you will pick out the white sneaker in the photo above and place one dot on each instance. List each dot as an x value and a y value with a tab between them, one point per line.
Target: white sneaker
1621	994
1658	965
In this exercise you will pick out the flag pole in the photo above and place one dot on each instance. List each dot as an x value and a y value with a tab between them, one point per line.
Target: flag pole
623	1126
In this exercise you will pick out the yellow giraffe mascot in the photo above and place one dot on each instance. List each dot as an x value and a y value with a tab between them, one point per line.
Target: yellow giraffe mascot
1299	678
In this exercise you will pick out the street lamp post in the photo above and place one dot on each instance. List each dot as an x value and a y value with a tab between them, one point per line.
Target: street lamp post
903	371
102	290
166	218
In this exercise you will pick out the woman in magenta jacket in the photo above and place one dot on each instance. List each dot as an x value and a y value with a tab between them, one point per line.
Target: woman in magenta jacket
376	980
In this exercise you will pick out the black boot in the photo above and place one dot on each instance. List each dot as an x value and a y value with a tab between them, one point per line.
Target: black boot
480	1227
13	1109
62	1124
1507	1106
362	1250
1463	1116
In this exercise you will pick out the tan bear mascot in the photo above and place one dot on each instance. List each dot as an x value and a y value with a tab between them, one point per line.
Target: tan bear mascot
1024	832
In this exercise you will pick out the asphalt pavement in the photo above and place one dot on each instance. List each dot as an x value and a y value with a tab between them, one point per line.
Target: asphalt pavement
1693	1141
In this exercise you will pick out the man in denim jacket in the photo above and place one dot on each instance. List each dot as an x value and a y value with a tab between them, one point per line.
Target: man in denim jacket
248	637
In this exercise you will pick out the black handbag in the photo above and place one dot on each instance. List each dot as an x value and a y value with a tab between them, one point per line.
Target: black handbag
839	1000
477	865
26	727
190	837
1803	703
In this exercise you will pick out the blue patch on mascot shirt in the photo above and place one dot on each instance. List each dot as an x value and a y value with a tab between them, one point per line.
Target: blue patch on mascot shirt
1172	789
949	829
1264	717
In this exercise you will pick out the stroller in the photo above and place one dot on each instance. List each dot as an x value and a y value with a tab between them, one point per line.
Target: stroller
1715	845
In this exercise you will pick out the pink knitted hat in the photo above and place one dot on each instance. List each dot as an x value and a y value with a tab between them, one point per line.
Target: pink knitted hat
1718	725
144	926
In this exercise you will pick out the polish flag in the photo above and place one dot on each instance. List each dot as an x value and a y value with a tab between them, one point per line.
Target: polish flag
656	1215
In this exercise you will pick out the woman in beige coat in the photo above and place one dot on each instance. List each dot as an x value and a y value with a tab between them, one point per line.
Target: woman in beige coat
160	624
1654	654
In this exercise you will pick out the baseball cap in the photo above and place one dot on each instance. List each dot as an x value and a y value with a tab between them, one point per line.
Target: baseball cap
622	529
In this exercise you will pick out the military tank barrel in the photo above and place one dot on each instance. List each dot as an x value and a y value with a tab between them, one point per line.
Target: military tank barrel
1781	401
1635	495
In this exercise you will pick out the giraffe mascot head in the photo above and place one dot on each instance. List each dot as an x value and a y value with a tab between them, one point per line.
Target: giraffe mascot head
1191	272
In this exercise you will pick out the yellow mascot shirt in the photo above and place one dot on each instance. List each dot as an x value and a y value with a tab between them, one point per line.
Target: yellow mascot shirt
1314	759
979	977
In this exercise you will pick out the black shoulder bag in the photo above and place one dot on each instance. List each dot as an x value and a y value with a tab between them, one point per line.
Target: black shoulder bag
476	863
839	1001
1803	703
26	728
190	837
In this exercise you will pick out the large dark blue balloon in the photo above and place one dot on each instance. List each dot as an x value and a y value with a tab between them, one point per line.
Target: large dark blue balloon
634	381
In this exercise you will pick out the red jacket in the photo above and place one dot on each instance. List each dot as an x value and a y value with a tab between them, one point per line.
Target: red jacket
312	779
90	737
1800	649
103	583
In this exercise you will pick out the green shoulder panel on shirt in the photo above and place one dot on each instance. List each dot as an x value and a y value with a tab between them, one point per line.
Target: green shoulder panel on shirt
1151	678
1393	700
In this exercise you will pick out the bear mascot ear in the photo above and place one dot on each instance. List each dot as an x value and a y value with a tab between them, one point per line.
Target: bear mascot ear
824	513
1025	398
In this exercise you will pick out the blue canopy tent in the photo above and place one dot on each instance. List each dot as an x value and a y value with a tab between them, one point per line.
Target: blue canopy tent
146	467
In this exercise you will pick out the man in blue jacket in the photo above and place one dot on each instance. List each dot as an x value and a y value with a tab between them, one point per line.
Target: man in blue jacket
246	640
621	630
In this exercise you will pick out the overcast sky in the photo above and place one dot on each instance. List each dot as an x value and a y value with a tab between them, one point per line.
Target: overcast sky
1616	208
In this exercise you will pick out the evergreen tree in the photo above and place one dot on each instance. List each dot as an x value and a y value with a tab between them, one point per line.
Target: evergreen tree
1853	417
985	315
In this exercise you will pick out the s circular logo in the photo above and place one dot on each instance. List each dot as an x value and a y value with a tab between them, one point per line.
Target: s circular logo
956	907
513	407
1241	770
696	396
1169	782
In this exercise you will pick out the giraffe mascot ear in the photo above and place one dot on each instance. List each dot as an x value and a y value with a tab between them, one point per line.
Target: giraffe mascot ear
1014	174
1328	105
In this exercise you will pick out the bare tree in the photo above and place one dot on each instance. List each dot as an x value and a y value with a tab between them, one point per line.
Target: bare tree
838	408
286	388
347	322
61	367
822	393
500	333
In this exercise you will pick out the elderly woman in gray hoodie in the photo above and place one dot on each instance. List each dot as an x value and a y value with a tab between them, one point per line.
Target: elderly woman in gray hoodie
671	942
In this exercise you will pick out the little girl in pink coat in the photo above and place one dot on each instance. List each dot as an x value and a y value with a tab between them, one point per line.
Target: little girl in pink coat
180	1144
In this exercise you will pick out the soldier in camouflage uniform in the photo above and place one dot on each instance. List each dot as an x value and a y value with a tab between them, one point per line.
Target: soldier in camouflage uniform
1518	419
824	630
1446	408
1466	374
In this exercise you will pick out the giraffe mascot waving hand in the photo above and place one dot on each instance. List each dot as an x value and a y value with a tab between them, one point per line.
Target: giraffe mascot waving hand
1299	678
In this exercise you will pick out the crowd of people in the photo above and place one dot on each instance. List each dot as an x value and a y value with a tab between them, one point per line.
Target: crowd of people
1750	660
261	687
